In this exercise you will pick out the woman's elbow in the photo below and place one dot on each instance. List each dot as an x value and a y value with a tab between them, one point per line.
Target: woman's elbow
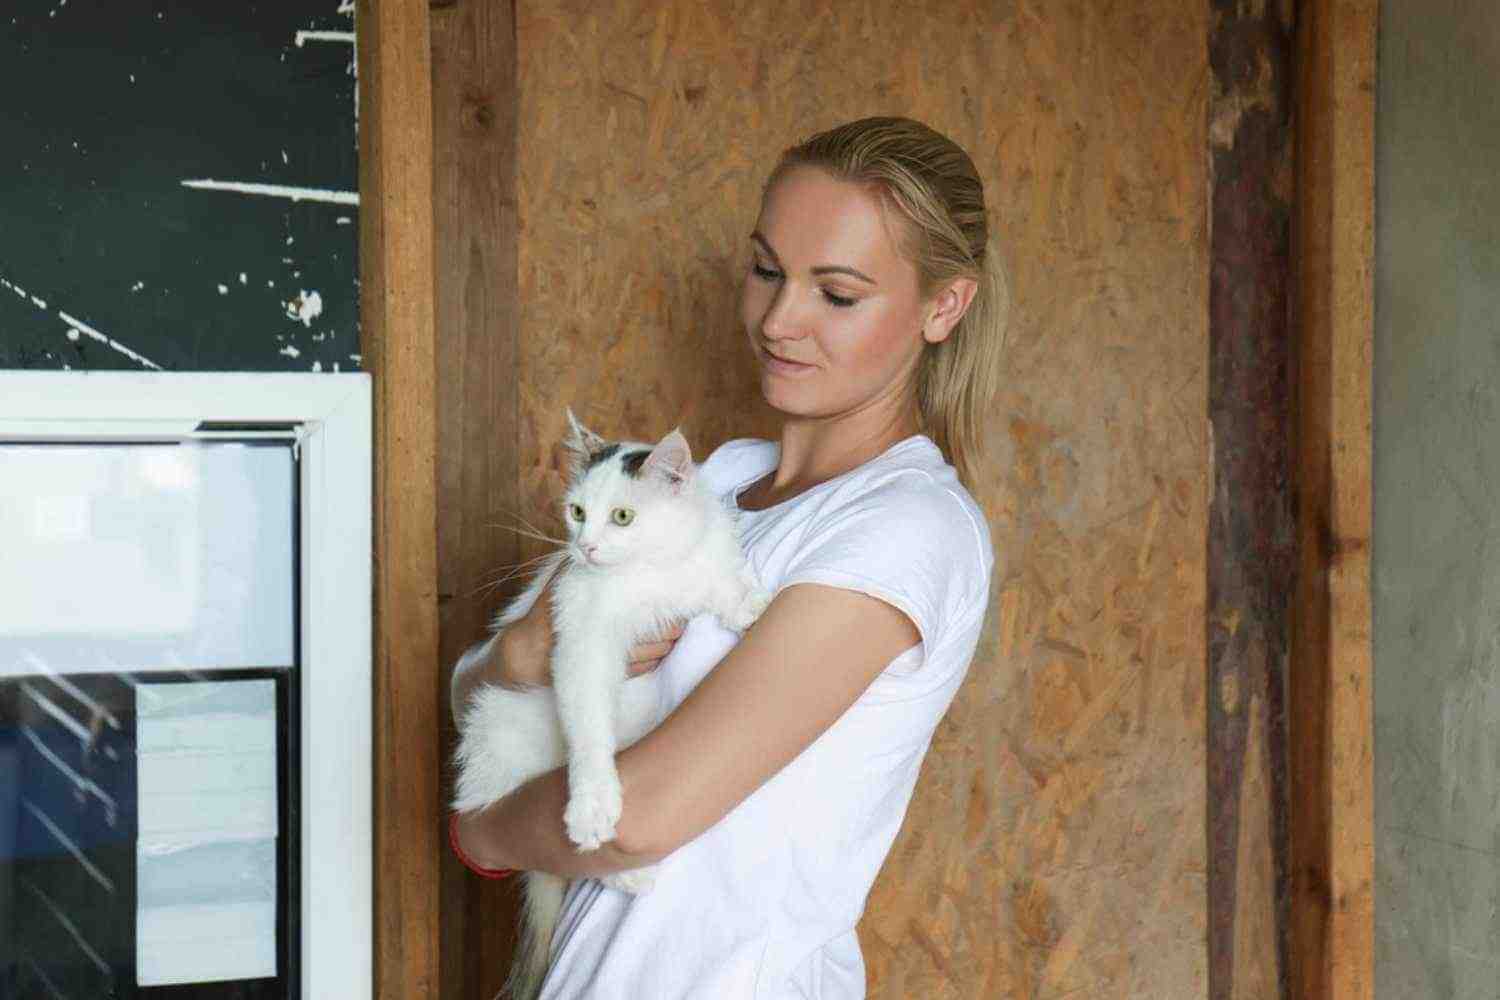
645	833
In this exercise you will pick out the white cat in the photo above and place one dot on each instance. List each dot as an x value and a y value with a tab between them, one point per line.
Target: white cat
649	546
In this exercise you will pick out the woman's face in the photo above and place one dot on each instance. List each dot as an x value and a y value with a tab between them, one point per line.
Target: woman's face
831	307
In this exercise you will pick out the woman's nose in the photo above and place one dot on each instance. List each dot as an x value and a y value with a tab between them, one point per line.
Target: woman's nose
780	322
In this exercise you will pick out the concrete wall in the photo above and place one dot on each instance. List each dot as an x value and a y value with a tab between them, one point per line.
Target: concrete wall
1437	501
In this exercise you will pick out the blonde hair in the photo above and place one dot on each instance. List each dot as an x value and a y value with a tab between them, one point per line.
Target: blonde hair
938	197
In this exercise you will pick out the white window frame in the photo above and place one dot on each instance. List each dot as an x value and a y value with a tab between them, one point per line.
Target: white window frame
333	431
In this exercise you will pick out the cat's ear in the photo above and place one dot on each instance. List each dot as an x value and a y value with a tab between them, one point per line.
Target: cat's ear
671	459
581	441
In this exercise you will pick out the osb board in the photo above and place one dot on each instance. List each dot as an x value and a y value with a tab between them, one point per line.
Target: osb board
1056	841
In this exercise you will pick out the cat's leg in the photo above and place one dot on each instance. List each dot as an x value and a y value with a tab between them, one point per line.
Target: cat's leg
742	600
636	881
587	672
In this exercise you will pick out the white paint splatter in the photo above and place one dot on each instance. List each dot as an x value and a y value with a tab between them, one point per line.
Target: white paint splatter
307	306
244	280
324	36
284	160
39	303
137	286
223	289
72	333
278	191
82	327
344	220
317	366
132	78
290	351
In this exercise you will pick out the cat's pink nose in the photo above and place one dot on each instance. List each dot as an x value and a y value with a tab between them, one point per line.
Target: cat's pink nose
589	550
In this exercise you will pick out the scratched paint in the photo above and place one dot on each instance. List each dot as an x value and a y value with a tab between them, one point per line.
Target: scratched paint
173	224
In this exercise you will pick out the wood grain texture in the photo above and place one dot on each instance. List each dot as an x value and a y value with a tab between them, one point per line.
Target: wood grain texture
1055	845
1332	737
1252	536
474	195
396	307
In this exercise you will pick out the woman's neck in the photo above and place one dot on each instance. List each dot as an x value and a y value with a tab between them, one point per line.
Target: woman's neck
815	450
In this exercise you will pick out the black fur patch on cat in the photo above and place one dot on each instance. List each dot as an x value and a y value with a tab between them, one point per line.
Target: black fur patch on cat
631	463
603	455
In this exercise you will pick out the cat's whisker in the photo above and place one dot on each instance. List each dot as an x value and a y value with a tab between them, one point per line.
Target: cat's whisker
528	532
510	573
524	523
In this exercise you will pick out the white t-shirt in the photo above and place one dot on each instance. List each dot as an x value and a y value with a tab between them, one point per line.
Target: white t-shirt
763	905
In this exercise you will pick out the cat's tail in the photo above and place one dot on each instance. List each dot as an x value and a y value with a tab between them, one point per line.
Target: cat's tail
539	915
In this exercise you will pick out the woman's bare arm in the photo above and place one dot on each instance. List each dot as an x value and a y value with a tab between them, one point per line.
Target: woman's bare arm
810	656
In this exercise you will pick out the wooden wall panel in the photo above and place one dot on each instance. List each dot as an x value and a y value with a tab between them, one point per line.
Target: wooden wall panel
1055	844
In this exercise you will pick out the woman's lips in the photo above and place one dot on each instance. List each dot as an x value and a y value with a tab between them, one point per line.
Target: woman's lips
781	366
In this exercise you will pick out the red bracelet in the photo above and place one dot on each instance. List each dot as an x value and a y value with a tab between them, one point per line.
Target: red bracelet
468	862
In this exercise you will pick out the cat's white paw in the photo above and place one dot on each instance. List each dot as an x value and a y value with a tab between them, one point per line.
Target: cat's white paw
755	601
594	805
636	881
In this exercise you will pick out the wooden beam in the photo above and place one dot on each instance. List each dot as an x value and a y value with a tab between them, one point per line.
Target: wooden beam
1252	539
1332	738
396	314
474	99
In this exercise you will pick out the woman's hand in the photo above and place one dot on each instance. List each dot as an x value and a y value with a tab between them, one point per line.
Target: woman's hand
647	656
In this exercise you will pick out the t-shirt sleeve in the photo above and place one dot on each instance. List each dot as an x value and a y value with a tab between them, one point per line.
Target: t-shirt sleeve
910	542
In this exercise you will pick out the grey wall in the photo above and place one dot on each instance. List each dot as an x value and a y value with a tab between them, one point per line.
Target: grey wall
113	255
1437	501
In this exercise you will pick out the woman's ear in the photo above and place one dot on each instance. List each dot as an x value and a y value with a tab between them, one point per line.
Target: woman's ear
947	308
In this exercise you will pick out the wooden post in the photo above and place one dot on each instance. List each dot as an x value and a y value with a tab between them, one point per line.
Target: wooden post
396	313
1252	537
1332	738
474	100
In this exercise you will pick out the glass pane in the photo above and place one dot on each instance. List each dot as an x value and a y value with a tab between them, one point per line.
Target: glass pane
145	557
148	720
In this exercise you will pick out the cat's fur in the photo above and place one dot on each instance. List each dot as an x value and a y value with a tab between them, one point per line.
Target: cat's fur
617	585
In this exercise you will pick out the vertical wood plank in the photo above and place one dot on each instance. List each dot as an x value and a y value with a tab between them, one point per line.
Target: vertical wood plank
1252	537
474	193
1332	738
396	304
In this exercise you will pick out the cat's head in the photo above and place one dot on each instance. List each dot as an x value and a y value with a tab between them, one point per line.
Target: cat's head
629	501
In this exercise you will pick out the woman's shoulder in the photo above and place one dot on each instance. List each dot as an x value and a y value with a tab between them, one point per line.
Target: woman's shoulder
915	481
909	502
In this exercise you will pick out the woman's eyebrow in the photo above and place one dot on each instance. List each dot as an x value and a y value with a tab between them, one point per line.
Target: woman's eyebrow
820	269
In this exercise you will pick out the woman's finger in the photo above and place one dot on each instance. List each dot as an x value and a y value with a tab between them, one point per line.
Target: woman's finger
649	651
637	667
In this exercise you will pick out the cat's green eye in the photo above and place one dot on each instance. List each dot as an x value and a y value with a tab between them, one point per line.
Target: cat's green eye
623	516
576	512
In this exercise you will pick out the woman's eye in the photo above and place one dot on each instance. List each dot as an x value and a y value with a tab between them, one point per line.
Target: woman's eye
838	300
576	512
623	516
765	273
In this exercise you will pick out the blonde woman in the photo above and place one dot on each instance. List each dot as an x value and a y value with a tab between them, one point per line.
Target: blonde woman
875	307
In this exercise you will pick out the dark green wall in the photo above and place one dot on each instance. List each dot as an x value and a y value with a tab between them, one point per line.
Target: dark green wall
108	260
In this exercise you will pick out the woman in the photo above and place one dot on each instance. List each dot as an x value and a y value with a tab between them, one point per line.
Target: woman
875	308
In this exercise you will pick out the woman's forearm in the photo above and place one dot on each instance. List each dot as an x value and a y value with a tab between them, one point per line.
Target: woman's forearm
525	830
